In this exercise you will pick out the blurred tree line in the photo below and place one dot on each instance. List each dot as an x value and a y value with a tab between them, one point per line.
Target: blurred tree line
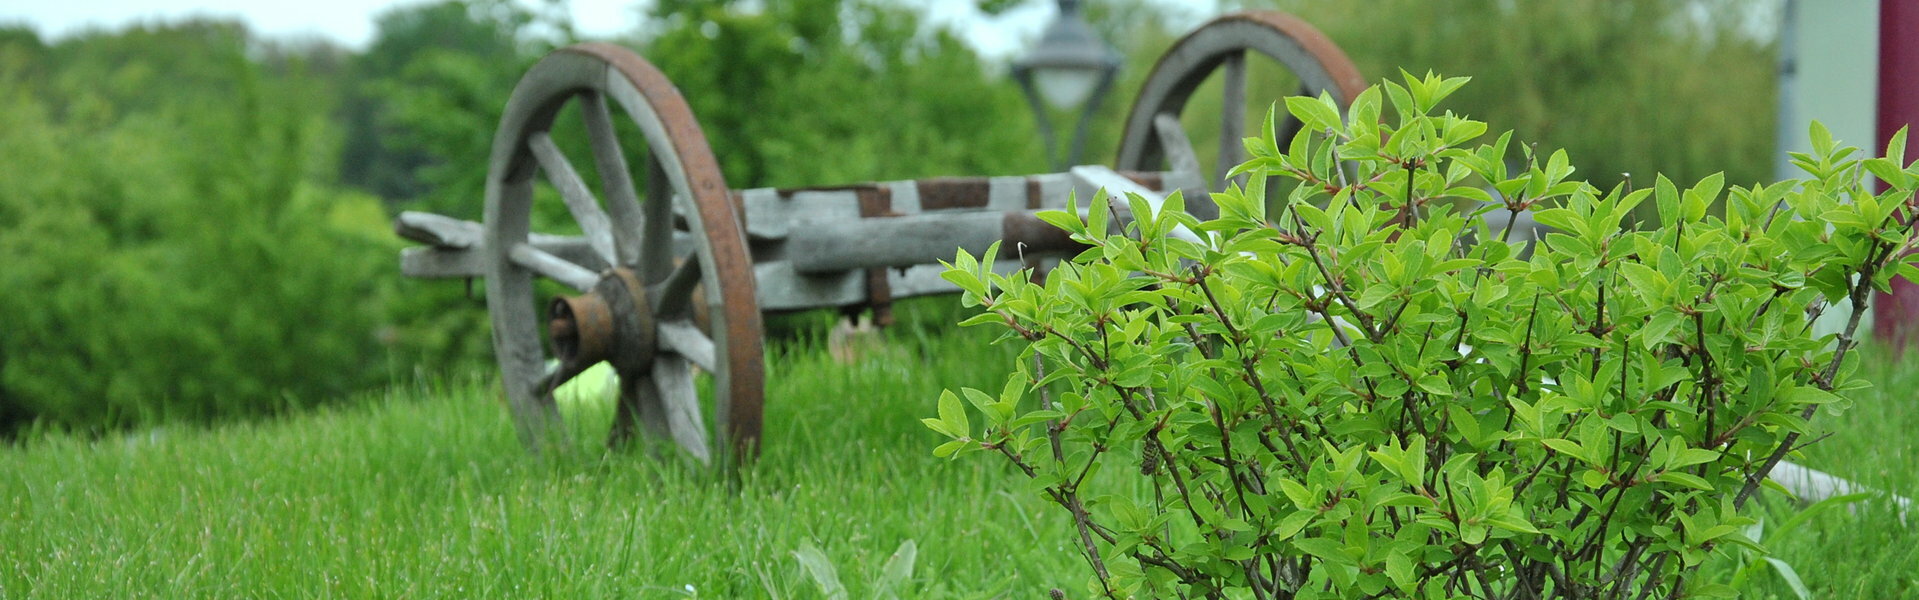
193	219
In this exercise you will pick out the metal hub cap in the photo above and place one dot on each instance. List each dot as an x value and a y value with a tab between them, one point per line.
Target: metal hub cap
612	322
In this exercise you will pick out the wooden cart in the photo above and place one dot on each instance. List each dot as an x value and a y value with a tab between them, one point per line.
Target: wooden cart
674	269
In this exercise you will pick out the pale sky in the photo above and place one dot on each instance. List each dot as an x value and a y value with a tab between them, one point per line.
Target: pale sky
351	21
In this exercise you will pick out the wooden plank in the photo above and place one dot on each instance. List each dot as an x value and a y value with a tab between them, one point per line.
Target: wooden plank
553	267
771	214
444	263
767	216
906	196
821	246
920	280
454	247
441	263
1006	193
1054	189
782	288
437	230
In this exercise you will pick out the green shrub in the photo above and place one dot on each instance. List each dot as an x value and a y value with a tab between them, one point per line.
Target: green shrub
1367	394
177	261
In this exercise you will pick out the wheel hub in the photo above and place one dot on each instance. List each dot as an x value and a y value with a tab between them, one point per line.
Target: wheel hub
612	322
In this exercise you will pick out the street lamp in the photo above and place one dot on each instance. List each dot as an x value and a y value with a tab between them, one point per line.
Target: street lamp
1071	68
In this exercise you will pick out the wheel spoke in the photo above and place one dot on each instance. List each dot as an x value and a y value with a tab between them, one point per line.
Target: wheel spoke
1232	116
1178	149
656	238
621	202
556	268
682	403
673	295
639	404
685	338
579	201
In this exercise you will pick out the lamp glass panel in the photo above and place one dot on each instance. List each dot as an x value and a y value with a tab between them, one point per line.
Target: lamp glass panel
1065	88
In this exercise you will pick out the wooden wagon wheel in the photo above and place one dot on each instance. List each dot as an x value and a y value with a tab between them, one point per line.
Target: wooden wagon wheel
1155	140
636	308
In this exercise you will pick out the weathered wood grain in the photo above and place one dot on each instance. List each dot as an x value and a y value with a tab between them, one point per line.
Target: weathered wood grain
826	246
685	338
553	267
682	404
579	200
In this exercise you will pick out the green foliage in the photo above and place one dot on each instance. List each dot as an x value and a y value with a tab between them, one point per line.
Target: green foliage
425	96
423	491
168	253
1364	393
1606	81
1609	82
819	92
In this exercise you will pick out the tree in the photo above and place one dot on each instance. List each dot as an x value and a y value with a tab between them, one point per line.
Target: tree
465	50
173	254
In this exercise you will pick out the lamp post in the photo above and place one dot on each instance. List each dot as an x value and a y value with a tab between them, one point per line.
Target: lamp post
1071	68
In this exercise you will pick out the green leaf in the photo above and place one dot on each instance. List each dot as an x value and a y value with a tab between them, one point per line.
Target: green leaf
1399	567
1436	384
949	448
1473	534
1561	219
1292	524
1066	221
1512	523
964	279
1821	138
1313	216
1791	577
1804	394
1659	329
1463	421
1298	494
1691	456
953	415
1888	171
1896	146
821	570
1593	479
898	569
939	426
1038	416
1567	447
1644	279
1685	479
1328	549
1317	114
982	319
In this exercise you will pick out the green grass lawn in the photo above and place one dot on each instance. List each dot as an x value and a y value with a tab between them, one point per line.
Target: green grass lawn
424	492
